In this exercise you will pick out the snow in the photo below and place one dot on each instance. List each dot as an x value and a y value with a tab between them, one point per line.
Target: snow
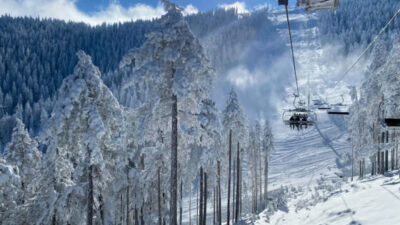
373	200
92	138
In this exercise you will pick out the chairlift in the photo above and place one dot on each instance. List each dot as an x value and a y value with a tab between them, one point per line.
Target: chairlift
299	117
339	108
387	121
321	105
310	5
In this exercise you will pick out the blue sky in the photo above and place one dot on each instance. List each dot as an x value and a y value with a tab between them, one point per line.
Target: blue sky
90	6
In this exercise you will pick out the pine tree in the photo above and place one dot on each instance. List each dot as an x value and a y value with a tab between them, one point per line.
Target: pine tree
22	152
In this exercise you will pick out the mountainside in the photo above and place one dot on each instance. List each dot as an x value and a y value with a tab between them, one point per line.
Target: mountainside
179	119
242	48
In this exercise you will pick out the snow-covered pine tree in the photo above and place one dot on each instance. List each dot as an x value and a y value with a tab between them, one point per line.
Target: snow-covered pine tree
10	195
170	62
22	152
233	120
87	145
267	149
377	99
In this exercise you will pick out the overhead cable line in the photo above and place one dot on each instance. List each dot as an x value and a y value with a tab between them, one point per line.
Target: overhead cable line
368	47
291	47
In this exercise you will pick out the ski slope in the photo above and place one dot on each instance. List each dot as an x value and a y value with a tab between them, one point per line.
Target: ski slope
302	156
373	200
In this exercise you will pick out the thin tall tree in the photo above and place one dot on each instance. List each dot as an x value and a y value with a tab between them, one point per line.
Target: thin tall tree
237	184
180	206
159	197
201	196
205	199
229	177
219	194
174	160
90	190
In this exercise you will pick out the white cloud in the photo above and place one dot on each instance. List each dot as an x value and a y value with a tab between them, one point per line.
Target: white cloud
67	10
239	6
190	9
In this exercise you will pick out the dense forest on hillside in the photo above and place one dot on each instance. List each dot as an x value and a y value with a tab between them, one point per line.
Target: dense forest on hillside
356	22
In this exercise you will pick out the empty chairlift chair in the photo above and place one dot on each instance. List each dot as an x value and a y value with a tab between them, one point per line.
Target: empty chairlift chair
339	108
321	105
310	5
386	119
283	2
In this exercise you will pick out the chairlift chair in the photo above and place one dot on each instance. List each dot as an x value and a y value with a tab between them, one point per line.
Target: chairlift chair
310	5
387	121
321	105
299	116
339	108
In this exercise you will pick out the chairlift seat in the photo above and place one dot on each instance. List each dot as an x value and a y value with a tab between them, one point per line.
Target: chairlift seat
324	108
338	112
392	122
318	4
297	122
283	2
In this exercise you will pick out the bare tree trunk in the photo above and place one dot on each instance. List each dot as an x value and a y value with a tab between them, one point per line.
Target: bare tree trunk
190	205
136	216
392	160
237	183
240	192
54	219
252	199
215	191
397	156
266	182
90	209
363	172
201	196
180	206
101	209
205	199
229	178
372	166
256	189
159	197
378	162
197	205
352	162
219	194
128	222
383	162
142	215
386	160
260	176
233	188
121	217
174	161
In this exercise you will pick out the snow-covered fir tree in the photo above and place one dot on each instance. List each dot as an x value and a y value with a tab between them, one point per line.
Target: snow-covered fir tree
23	153
10	195
86	155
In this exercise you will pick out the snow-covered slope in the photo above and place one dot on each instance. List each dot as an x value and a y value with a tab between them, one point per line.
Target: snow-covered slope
374	200
300	157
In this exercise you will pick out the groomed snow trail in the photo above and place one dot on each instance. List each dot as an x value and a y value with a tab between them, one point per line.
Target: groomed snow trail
301	156
374	200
